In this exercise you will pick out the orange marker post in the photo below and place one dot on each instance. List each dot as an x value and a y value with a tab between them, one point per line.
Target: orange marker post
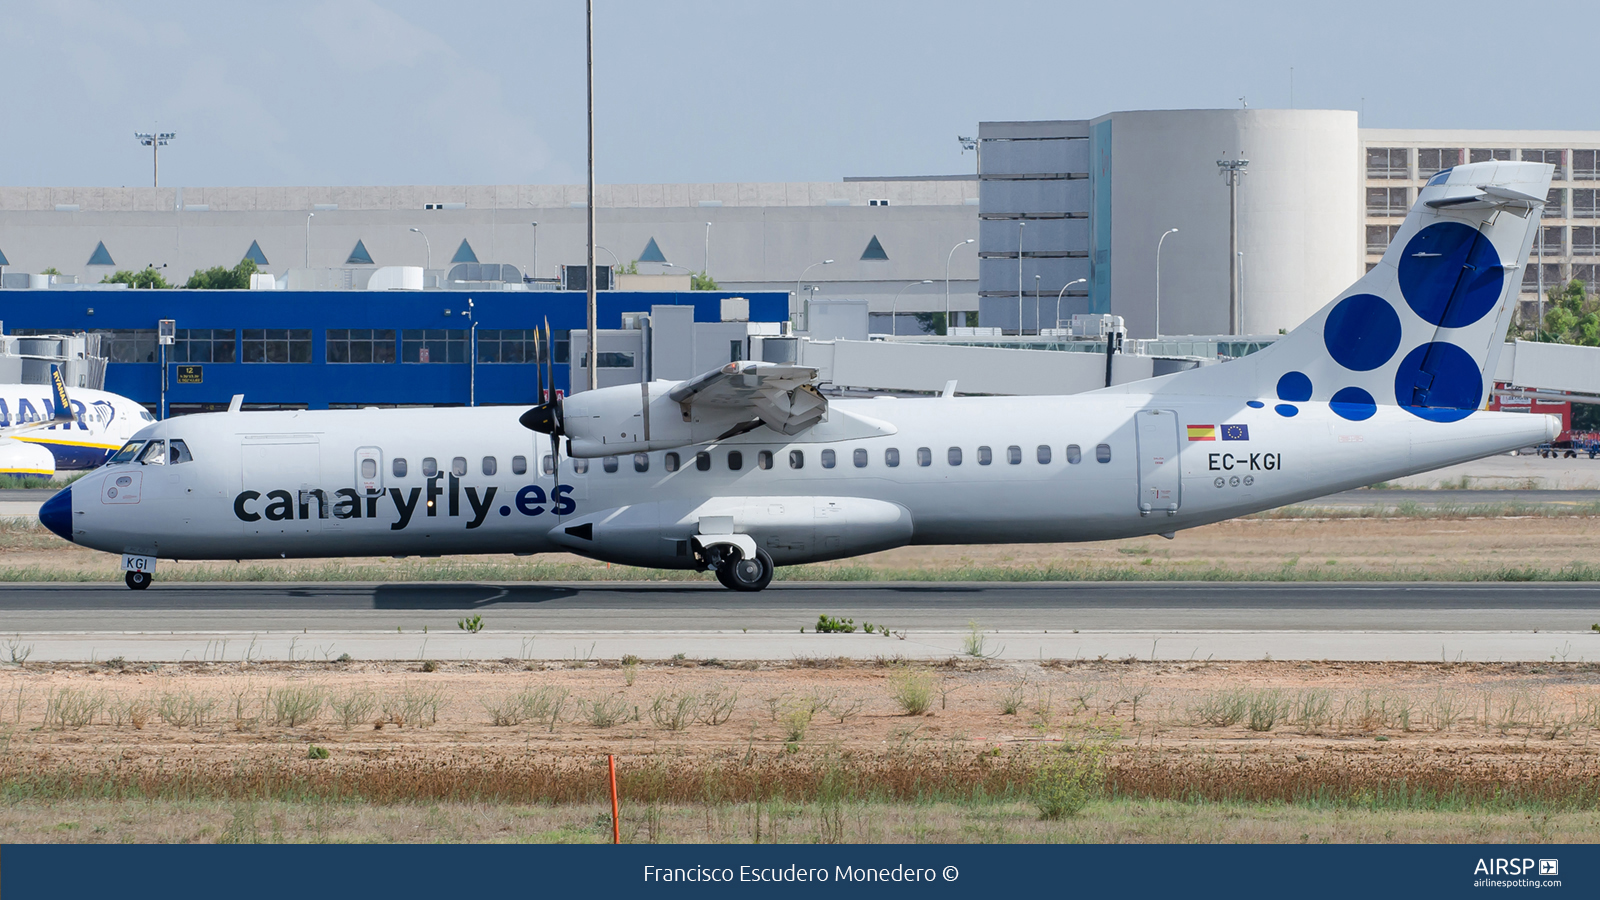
616	812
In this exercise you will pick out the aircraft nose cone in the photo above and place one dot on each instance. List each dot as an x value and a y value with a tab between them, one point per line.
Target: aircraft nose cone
56	513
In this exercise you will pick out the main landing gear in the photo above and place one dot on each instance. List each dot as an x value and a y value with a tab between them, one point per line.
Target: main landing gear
741	573
137	580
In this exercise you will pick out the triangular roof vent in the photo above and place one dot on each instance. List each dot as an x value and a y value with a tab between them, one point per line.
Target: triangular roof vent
359	256
652	253
874	250
464	253
101	256
3	260
255	254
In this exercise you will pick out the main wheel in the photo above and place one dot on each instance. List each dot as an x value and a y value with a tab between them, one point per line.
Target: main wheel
747	574
137	580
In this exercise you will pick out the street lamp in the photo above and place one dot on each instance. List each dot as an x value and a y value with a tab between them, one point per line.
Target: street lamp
309	217
1037	279
826	262
533	270
947	258
1020	226
894	309
707	270
427	260
1158	278
472	349
1060	294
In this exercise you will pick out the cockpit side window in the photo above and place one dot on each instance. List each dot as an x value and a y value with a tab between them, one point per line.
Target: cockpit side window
126	454
178	452
155	454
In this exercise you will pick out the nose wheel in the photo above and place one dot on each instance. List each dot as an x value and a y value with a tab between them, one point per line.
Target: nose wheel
745	573
137	580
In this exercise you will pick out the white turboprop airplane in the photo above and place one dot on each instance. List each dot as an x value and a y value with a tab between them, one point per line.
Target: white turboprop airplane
42	429
750	467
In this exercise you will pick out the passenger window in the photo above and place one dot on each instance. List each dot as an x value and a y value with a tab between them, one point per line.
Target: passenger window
609	463
548	464
155	454
458	467
764	459
1044	454
519	465
670	462
860	458
954	456
369	468
398	467
178	452
1102	453
490	465
580	466
430	467
1014	455
735	460
827	459
924	456
797	459
1074	455
128	452
702	461
985	456
641	462
891	456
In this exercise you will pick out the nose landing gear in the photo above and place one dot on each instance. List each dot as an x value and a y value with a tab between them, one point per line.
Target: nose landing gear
743	573
137	580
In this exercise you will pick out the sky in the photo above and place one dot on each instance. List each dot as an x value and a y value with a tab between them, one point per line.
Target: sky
357	92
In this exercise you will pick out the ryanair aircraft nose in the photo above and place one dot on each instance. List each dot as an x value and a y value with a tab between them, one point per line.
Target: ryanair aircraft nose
56	513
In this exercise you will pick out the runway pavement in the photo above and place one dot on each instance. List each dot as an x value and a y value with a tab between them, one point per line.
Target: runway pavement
656	621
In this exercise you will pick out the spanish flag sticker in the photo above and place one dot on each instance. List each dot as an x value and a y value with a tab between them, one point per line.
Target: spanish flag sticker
1202	432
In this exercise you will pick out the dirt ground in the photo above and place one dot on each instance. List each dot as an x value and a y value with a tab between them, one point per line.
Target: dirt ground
77	734
1432	547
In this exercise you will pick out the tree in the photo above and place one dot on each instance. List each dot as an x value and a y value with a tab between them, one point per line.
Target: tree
51	271
217	278
1572	316
148	278
700	281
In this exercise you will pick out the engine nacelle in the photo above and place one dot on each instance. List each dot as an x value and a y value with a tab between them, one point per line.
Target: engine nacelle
20	459
668	533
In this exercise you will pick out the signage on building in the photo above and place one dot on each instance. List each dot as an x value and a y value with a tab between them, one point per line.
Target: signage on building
190	374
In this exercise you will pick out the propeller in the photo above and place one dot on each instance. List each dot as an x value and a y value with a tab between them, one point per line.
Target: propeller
545	417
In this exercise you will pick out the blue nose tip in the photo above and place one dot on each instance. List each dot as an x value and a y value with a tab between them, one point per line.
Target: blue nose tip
56	513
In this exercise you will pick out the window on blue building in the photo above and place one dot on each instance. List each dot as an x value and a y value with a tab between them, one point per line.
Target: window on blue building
203	345
433	345
276	345
128	345
508	346
360	345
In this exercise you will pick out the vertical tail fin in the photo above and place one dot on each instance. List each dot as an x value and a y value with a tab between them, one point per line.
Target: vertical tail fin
1422	329
60	403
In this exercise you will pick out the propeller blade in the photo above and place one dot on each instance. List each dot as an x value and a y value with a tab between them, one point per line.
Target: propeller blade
538	370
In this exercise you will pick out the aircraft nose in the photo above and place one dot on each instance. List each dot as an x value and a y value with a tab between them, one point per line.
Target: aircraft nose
56	513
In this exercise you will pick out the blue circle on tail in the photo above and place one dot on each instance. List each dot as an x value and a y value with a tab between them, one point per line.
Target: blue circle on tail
1440	382
1451	275
1362	332
1294	386
1353	403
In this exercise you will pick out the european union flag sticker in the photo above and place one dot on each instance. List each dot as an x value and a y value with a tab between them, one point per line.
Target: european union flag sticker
1236	432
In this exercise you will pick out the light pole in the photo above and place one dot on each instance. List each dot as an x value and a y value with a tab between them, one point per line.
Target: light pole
1059	295
807	302
427	261
1020	227
472	348
155	140
707	270
1233	170
616	265
1037	279
1158	278
592	310
894	309
947	258
309	217
1240	257
533	270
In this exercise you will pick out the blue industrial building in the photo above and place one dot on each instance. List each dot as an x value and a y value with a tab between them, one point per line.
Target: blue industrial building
334	349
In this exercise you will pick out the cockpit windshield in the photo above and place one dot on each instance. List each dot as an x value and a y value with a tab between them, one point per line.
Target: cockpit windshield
155	454
126	454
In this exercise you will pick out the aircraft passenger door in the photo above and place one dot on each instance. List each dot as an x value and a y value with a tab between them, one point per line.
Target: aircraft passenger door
286	470
1160	478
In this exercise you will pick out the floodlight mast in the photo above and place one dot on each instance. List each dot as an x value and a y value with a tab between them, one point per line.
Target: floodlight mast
1233	170
155	140
592	315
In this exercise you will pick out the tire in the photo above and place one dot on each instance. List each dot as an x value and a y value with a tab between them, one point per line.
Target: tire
137	581
748	575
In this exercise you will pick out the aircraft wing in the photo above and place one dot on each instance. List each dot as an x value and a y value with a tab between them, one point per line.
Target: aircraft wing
60	409
783	397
